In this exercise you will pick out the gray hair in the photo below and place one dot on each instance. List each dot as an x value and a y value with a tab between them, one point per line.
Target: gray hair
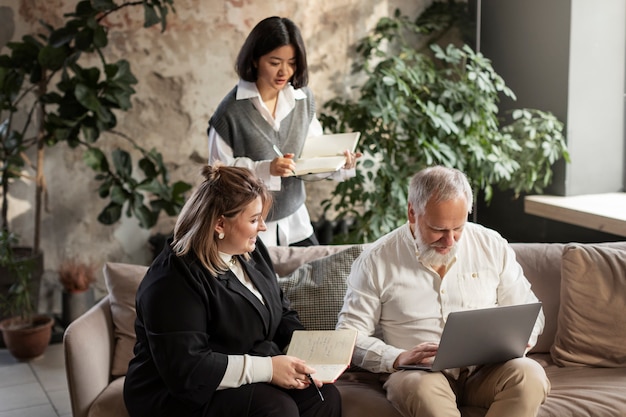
440	183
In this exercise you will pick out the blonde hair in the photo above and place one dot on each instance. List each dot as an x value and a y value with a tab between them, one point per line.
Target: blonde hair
225	191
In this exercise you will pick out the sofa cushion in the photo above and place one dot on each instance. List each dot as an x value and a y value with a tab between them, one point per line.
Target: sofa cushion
316	289
583	391
591	327
541	263
122	281
362	394
287	259
110	402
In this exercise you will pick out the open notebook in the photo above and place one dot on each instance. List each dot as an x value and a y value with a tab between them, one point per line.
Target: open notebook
482	336
325	153
328	351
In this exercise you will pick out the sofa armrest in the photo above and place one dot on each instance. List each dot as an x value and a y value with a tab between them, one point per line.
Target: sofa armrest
88	344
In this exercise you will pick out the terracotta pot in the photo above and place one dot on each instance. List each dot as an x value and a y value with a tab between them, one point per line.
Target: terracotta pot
7	278
27	342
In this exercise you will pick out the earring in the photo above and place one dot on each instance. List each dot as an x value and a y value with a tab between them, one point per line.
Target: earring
220	236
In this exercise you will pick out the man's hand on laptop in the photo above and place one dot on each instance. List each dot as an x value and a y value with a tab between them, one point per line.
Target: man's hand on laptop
424	353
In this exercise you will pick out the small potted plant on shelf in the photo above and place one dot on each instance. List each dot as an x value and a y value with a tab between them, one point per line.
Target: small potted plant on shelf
25	334
77	278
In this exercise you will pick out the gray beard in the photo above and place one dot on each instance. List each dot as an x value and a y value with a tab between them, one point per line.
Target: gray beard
427	253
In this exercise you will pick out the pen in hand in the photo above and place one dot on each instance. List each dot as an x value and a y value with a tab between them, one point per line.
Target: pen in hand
280	154
316	387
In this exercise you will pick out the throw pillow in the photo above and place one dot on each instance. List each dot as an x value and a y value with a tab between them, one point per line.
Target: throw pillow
591	325
122	281
287	259
316	289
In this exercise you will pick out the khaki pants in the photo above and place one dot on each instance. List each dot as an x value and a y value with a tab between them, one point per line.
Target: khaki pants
512	389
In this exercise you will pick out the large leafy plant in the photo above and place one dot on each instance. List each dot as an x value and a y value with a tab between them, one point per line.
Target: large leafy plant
57	86
18	301
423	104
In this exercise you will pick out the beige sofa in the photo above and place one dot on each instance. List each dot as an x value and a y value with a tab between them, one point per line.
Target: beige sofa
583	347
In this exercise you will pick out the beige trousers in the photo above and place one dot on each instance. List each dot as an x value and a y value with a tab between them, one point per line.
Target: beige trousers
512	389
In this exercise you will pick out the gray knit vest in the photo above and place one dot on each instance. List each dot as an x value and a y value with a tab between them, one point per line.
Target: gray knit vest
243	128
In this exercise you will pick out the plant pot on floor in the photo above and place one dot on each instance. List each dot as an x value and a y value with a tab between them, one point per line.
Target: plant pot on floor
76	276
21	257
74	304
27	341
7	276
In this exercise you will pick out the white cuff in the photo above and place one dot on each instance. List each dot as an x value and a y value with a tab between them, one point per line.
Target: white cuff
246	369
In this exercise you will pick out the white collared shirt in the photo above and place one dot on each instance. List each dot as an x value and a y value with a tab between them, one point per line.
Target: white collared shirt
235	267
244	369
396	303
297	226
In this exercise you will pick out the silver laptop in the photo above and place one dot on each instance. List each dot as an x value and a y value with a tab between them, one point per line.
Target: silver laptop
483	336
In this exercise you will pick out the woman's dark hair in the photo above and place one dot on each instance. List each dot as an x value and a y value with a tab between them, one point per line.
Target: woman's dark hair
269	34
225	191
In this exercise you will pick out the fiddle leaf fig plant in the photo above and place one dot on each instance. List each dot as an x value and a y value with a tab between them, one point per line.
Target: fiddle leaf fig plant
423	104
58	86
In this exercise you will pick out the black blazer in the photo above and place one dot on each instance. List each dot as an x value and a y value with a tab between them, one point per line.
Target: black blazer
188	321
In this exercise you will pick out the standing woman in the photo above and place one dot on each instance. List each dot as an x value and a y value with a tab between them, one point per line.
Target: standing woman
263	122
212	322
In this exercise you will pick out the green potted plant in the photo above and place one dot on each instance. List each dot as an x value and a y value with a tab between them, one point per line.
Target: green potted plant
52	90
57	86
423	104
25	334
51	93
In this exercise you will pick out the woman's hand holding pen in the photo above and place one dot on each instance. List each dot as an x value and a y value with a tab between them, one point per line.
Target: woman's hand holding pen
290	372
351	158
283	166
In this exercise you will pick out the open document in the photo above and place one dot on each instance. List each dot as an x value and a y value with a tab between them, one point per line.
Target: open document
325	153
328	351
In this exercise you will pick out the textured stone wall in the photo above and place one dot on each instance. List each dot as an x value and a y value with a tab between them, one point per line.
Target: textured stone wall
183	74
